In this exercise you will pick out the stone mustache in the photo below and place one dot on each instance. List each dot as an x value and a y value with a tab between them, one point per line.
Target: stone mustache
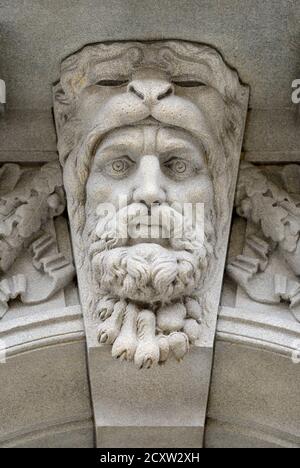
144	128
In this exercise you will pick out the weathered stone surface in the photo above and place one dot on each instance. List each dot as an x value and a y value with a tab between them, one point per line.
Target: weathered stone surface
30	198
268	270
254	396
138	138
260	39
152	102
27	136
272	136
163	407
45	401
247	34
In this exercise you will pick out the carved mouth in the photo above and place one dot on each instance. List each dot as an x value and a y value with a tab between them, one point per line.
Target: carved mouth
148	231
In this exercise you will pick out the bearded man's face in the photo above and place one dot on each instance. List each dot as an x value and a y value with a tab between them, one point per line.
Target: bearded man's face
159	177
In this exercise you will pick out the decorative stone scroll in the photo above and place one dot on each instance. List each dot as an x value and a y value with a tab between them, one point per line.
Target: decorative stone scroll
149	135
29	199
269	199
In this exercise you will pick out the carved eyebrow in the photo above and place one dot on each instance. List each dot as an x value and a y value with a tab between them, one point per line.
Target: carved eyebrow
177	145
180	143
114	144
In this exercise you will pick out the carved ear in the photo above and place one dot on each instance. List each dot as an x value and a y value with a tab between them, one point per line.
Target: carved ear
9	177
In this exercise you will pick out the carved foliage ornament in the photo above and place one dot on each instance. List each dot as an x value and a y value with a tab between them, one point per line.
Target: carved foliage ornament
144	128
29	198
269	199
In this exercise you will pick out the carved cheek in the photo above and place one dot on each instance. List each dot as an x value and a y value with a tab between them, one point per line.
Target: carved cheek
200	190
98	190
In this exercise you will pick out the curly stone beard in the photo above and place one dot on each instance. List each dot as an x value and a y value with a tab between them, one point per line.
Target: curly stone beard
147	294
154	270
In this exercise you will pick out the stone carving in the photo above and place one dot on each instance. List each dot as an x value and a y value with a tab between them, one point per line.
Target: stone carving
142	130
270	201
29	198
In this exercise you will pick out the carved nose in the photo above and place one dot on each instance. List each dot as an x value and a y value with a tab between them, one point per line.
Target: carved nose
148	189
151	91
150	195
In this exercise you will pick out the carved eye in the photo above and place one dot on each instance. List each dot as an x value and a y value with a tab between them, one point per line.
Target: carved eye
112	83
189	84
119	167
179	167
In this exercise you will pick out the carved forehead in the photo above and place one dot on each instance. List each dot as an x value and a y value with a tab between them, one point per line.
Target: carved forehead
178	59
164	138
